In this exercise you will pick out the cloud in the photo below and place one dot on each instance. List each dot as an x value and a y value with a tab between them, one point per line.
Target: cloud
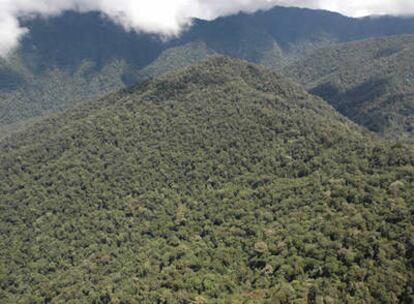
358	8
169	17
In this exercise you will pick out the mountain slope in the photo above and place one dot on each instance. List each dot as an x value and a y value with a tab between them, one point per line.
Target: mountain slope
370	81
56	89
73	57
172	59
219	183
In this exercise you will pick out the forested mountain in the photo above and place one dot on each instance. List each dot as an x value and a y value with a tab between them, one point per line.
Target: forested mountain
219	183
77	56
370	81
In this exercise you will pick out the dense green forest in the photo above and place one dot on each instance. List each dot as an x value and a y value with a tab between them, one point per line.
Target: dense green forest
370	81
219	183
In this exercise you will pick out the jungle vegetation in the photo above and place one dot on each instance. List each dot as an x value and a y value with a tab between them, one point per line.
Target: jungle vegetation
219	183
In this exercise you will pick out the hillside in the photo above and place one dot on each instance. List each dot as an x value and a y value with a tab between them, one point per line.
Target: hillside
170	60
77	56
219	183
54	90
370	81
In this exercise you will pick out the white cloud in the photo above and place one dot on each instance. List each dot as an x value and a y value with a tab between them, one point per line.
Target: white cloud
358	8
168	17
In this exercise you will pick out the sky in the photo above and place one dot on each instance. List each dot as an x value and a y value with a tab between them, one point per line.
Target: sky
170	17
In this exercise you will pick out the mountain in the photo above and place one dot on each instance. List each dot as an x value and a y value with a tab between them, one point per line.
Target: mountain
370	81
79	56
219	183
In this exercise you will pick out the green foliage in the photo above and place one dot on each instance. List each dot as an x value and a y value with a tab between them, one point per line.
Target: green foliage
370	81
220	183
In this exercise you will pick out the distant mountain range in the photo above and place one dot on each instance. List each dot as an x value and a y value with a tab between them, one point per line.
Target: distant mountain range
76	56
68	40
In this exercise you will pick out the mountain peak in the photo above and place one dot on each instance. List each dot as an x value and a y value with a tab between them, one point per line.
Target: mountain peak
219	70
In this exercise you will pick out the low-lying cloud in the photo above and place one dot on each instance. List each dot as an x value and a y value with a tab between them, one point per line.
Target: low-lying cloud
169	17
